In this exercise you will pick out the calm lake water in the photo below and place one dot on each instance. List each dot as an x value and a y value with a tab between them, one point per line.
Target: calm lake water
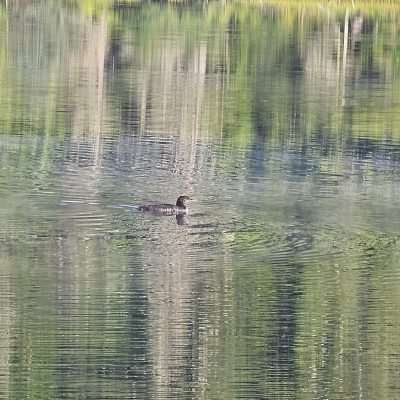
282	123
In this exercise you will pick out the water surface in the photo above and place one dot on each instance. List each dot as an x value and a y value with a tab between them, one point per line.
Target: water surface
283	124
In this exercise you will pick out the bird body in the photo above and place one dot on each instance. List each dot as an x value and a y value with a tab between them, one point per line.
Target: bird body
167	209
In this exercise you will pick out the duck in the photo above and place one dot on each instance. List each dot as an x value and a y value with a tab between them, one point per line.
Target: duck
179	208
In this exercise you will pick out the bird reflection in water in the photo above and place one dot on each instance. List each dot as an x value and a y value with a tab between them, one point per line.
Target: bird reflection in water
181	219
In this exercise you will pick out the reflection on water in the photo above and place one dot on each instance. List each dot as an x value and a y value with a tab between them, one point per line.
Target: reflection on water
282	123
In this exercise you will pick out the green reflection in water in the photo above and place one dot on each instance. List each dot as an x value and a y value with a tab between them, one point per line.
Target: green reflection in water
290	291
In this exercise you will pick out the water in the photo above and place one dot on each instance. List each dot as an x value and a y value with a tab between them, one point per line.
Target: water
282	122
